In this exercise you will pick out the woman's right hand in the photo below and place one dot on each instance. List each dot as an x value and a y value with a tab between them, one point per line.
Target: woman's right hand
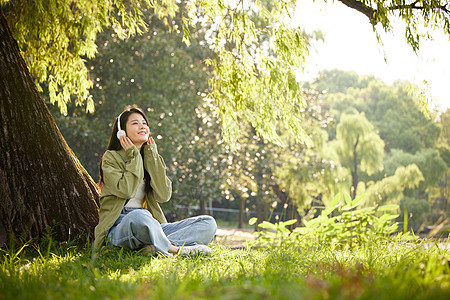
126	142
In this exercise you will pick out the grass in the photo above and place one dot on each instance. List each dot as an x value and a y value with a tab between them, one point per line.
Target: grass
381	269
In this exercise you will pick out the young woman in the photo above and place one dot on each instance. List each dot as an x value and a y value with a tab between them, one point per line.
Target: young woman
133	181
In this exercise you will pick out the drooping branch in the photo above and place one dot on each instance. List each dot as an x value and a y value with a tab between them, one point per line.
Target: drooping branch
371	13
418	7
363	8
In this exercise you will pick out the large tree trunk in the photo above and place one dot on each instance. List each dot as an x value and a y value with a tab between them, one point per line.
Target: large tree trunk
42	183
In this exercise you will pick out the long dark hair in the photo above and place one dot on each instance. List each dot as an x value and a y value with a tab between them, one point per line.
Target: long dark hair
114	143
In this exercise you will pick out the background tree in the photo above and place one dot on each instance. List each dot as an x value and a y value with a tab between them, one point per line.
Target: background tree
302	172
391	109
444	152
358	147
429	162
248	176
410	139
419	198
337	81
281	182
391	189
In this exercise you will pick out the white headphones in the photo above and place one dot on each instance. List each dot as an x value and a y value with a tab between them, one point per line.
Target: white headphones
120	132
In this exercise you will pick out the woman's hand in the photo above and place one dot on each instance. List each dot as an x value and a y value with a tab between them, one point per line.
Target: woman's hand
126	142
151	141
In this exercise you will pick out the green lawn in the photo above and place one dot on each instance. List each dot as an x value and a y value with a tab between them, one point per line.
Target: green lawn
381	269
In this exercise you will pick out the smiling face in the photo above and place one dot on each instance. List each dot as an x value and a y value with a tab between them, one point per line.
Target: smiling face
137	129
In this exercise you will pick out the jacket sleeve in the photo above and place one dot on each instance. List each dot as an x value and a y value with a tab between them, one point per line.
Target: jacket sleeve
122	178
160	183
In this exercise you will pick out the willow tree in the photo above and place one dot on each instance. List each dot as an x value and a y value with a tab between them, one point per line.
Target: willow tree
358	147
51	40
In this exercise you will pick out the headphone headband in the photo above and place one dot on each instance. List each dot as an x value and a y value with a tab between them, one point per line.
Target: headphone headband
120	132
118	122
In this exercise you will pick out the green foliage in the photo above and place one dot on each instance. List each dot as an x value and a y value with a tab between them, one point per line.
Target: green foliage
304	173
342	223
444	125
357	148
391	189
356	139
257	55
277	232
262	174
415	210
413	162
337	81
256	51
431	165
423	95
390	108
56	49
401	123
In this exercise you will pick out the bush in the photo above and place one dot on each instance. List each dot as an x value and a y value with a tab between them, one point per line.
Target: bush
342	223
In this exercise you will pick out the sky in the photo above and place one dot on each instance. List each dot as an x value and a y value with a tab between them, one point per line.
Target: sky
350	44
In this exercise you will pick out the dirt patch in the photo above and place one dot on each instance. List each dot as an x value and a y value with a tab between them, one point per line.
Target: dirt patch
233	237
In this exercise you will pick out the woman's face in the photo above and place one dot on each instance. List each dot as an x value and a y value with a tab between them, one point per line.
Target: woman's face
137	129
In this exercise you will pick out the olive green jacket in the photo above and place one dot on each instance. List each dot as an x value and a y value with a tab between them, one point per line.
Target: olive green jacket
122	174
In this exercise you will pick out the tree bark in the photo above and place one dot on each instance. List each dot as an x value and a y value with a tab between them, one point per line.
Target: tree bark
355	169
42	183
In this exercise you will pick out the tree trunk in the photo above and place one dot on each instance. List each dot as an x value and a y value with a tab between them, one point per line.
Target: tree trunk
42	183
444	194
355	170
291	209
241	212
202	207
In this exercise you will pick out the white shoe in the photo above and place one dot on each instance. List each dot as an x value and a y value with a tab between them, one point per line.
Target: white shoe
195	250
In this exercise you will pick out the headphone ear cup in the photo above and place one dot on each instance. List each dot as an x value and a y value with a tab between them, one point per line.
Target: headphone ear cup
121	133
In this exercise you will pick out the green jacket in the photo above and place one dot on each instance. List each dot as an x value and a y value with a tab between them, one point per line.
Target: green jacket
122	174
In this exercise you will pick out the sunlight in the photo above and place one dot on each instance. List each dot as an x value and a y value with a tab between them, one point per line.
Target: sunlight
350	44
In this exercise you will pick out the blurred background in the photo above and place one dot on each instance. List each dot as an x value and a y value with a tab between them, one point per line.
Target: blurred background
369	136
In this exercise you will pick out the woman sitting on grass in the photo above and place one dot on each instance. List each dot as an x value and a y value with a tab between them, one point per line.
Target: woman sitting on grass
133	181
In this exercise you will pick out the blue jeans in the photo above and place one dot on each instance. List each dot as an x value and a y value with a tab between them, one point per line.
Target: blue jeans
136	227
